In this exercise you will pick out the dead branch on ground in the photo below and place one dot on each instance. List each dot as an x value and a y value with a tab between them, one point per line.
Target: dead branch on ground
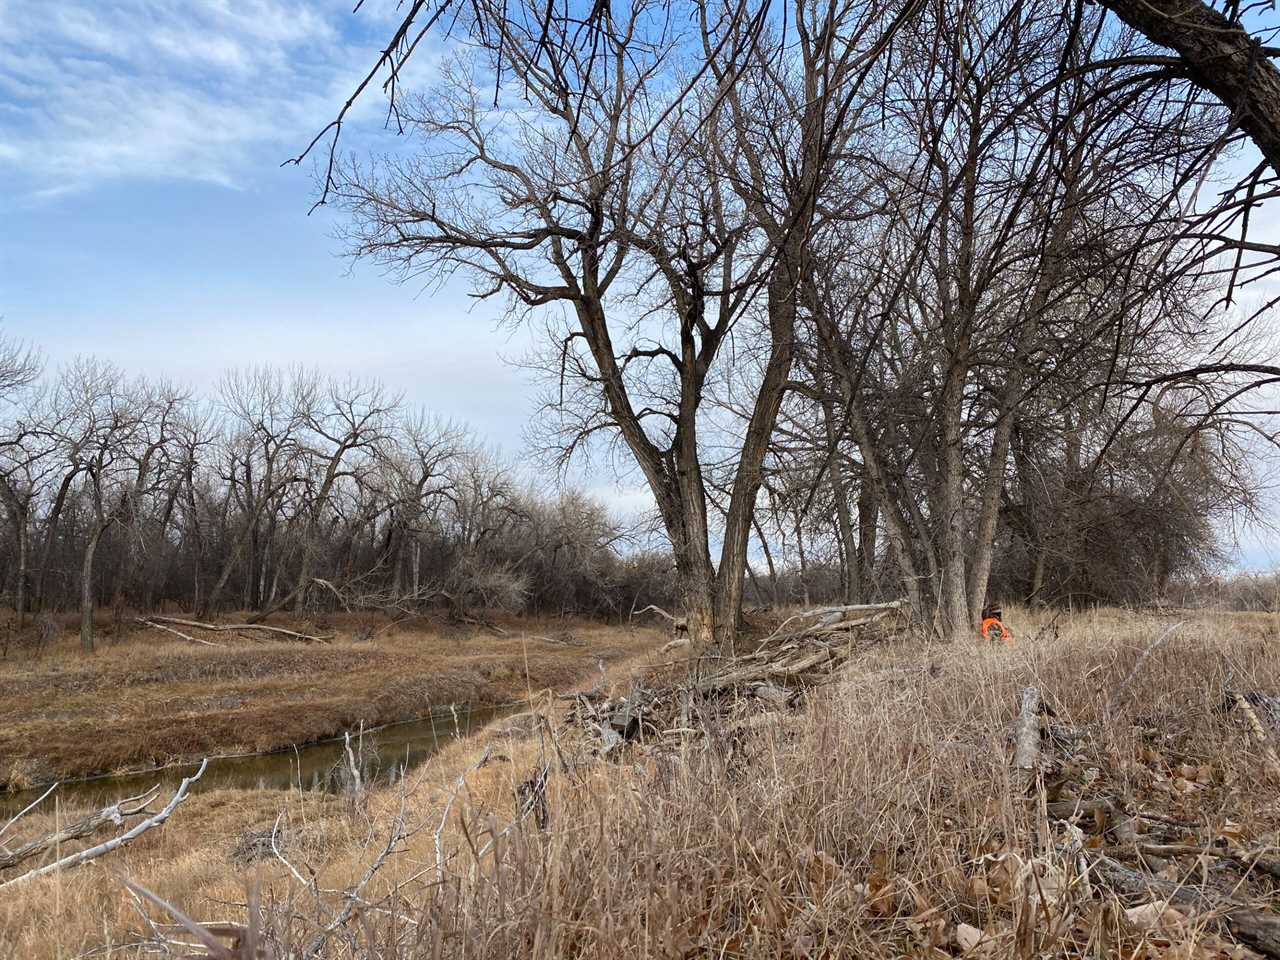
1259	734
1259	929
177	633
109	815
114	813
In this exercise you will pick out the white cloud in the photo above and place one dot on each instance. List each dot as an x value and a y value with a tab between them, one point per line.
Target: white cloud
143	88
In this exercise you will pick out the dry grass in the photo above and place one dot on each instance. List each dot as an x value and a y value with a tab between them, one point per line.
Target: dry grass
153	699
870	823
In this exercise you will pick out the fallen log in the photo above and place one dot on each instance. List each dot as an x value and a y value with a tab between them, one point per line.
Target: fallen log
767	671
1255	861
854	608
233	627
116	842
1259	734
830	620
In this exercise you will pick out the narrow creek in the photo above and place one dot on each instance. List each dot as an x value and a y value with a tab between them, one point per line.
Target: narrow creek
385	754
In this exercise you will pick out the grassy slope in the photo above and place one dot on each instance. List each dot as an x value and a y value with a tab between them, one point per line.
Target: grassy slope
154	699
869	823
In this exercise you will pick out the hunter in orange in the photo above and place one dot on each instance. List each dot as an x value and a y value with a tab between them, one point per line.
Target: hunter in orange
993	627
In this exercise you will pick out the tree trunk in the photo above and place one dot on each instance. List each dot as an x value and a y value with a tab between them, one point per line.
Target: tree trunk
868	521
86	590
51	536
1037	574
748	477
19	513
768	561
215	594
804	564
851	575
20	590
952	598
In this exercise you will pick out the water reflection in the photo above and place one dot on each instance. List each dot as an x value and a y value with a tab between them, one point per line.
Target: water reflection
383	755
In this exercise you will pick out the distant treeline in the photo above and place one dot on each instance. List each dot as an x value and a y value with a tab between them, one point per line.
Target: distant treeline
283	491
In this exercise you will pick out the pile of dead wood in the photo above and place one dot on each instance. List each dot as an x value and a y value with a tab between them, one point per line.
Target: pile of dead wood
804	650
805	645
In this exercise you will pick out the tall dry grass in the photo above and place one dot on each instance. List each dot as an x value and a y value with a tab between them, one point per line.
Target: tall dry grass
880	820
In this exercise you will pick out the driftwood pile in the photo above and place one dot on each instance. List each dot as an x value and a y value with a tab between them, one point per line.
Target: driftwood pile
805	650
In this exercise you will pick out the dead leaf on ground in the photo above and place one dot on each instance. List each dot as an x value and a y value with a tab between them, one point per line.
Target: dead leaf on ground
1158	915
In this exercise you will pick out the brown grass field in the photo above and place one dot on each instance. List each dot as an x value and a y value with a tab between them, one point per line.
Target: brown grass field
878	819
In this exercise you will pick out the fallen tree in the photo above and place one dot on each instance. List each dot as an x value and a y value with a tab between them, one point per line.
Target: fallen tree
166	623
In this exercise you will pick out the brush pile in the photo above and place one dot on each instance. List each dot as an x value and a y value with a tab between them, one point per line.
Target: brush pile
805	650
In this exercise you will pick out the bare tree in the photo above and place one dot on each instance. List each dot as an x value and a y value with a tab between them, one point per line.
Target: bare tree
654	246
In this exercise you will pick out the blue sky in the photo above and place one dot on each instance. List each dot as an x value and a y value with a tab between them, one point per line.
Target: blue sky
145	218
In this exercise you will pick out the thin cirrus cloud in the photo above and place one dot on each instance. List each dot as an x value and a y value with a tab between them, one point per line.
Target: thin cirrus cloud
93	91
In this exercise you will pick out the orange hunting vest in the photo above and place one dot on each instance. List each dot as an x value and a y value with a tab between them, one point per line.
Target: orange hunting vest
992	629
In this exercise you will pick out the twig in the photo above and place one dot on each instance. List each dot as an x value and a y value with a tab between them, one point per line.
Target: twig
280	856
656	609
356	780
1116	699
444	817
353	899
216	950
28	808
